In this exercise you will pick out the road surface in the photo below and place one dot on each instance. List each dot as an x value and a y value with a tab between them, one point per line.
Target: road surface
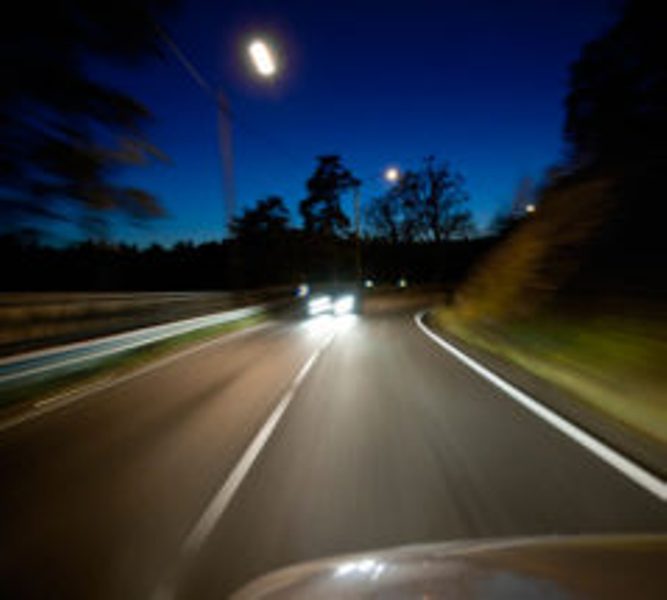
290	441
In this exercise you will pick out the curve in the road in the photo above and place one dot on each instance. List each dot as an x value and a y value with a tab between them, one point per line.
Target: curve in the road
639	475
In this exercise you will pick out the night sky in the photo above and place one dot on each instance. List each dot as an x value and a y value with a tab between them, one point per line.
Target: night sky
478	83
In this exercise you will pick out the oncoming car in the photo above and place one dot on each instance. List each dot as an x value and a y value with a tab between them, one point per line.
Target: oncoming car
337	301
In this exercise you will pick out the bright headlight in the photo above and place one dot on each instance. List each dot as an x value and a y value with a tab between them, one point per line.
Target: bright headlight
319	305
344	305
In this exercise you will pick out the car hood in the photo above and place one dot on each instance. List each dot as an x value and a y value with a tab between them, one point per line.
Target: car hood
554	567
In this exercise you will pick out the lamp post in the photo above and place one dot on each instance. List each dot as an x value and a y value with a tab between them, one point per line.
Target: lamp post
264	61
391	175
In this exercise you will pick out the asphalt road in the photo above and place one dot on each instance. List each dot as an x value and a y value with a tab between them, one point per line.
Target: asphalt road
144	489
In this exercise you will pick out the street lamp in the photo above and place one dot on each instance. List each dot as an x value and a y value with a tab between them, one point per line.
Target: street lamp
530	208
263	58
264	61
392	174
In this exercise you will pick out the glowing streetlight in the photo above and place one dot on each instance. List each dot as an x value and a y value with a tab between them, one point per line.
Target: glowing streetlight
530	208
262	58
264	61
392	174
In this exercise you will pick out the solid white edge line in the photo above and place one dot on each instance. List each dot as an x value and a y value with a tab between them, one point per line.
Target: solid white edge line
640	476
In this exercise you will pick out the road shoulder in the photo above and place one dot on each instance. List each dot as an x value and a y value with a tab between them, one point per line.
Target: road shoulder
646	452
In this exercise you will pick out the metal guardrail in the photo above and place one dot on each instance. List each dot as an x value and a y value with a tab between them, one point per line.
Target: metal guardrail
15	369
36	320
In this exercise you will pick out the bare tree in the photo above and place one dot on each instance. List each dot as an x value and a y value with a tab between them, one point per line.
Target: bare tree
384	215
425	205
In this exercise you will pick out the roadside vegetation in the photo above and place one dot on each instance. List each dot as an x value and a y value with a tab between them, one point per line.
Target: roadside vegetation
612	363
576	292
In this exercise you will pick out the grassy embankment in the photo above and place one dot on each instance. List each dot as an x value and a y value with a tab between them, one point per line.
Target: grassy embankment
553	298
614	365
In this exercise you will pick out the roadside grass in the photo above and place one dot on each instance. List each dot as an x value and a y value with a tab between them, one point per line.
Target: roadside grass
50	386
613	364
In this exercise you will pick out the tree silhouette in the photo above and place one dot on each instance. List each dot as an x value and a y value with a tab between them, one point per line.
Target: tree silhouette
617	105
439	193
396	215
425	205
268	219
65	135
616	126
596	243
385	217
264	244
321	210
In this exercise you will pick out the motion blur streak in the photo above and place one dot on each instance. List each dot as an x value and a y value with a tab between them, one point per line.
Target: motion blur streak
28	365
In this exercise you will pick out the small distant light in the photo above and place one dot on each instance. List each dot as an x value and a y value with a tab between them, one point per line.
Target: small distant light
369	283
530	208
392	174
302	290
402	282
262	58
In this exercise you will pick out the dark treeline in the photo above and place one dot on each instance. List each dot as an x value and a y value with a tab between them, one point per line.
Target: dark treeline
596	241
616	126
418	230
229	264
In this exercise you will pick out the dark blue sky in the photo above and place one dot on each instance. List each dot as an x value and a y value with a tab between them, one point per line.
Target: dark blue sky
475	82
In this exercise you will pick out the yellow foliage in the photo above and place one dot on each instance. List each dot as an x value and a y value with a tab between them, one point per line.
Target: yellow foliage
536	259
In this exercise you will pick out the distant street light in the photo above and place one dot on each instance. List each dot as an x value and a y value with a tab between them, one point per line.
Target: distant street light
263	58
392	174
530	208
